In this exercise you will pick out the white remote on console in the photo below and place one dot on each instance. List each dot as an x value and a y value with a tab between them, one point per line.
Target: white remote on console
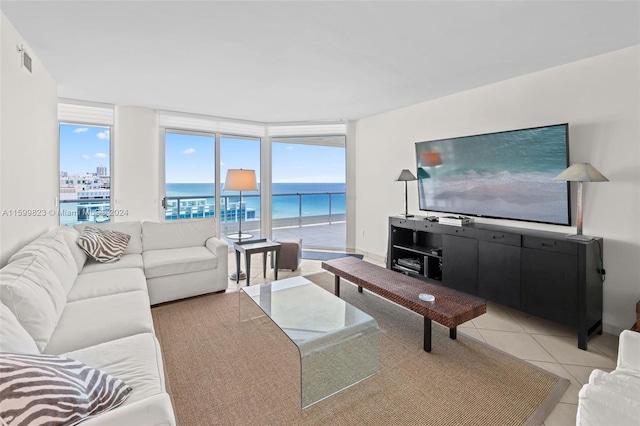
427	297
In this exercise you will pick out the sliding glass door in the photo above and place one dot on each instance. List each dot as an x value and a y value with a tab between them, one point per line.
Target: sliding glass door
309	190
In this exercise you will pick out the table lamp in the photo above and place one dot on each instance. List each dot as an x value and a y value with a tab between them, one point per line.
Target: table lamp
581	172
406	176
240	180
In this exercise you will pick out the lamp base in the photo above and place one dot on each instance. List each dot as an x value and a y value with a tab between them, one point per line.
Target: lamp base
243	276
578	237
237	236
406	215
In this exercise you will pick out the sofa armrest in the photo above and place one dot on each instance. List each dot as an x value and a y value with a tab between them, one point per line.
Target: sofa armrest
629	351
599	405
218	247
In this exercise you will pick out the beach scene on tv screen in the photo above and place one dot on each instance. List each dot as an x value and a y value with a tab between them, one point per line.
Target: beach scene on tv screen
506	175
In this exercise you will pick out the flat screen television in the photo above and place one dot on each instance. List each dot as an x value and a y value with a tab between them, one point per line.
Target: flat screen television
506	175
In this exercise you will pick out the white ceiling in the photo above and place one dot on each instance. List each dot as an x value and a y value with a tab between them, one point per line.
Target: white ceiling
296	61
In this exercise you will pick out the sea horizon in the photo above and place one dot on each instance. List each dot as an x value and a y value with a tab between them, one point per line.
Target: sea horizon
316	203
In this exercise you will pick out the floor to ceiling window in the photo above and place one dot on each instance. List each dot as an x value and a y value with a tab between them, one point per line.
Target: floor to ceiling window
308	190
85	173
190	177
240	153
306	197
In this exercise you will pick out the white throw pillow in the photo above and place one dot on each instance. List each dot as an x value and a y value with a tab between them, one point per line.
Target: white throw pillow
30	289
13	336
53	249
55	390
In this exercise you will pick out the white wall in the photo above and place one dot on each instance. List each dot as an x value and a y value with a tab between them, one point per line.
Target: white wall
599	98
136	164
28	145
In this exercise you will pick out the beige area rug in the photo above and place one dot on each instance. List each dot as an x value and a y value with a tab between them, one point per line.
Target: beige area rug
224	372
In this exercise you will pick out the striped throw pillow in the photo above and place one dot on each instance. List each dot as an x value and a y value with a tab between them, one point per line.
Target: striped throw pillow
103	245
54	390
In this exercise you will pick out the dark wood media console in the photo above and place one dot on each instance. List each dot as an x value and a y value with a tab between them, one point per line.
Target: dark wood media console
538	272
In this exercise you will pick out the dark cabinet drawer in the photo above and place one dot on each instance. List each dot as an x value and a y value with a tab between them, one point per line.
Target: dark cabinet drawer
461	231
558	246
426	226
500	237
399	222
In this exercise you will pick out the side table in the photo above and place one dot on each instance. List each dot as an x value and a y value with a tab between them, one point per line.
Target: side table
256	246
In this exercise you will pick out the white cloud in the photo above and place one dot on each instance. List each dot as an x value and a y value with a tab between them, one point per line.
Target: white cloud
103	135
290	148
100	155
80	130
188	151
85	157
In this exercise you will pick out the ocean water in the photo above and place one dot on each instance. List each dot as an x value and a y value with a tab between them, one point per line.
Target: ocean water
312	201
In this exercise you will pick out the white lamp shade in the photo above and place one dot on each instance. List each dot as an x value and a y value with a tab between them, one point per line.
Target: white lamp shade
240	180
581	172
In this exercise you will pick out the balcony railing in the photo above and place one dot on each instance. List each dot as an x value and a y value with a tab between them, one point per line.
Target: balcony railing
294	209
288	210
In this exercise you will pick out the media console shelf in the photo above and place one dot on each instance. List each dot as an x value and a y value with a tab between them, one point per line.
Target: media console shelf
538	272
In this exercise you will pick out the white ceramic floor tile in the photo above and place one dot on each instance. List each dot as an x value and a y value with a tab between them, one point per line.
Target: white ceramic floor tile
497	318
471	332
562	415
535	325
605	343
581	373
520	345
565	351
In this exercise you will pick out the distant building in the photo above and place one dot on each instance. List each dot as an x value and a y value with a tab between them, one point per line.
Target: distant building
101	171
84	187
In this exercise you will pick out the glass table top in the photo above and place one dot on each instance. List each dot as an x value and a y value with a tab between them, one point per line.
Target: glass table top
339	344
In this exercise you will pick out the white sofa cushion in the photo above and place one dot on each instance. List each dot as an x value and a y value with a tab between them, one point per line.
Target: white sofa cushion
30	289
100	319
70	235
53	249
159	263
55	390
177	234
154	411
13	337
135	359
132	260
132	228
107	282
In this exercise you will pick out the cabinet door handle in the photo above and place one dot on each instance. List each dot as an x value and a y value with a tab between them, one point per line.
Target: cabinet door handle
498	237
551	244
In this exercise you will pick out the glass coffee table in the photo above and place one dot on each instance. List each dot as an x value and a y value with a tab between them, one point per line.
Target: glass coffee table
339	345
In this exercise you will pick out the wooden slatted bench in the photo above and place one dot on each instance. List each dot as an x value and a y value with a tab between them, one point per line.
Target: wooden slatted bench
450	307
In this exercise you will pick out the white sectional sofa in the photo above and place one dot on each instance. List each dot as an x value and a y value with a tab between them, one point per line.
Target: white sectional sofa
614	398
179	258
55	301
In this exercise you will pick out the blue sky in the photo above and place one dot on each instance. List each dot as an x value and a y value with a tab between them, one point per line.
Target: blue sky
83	148
190	158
